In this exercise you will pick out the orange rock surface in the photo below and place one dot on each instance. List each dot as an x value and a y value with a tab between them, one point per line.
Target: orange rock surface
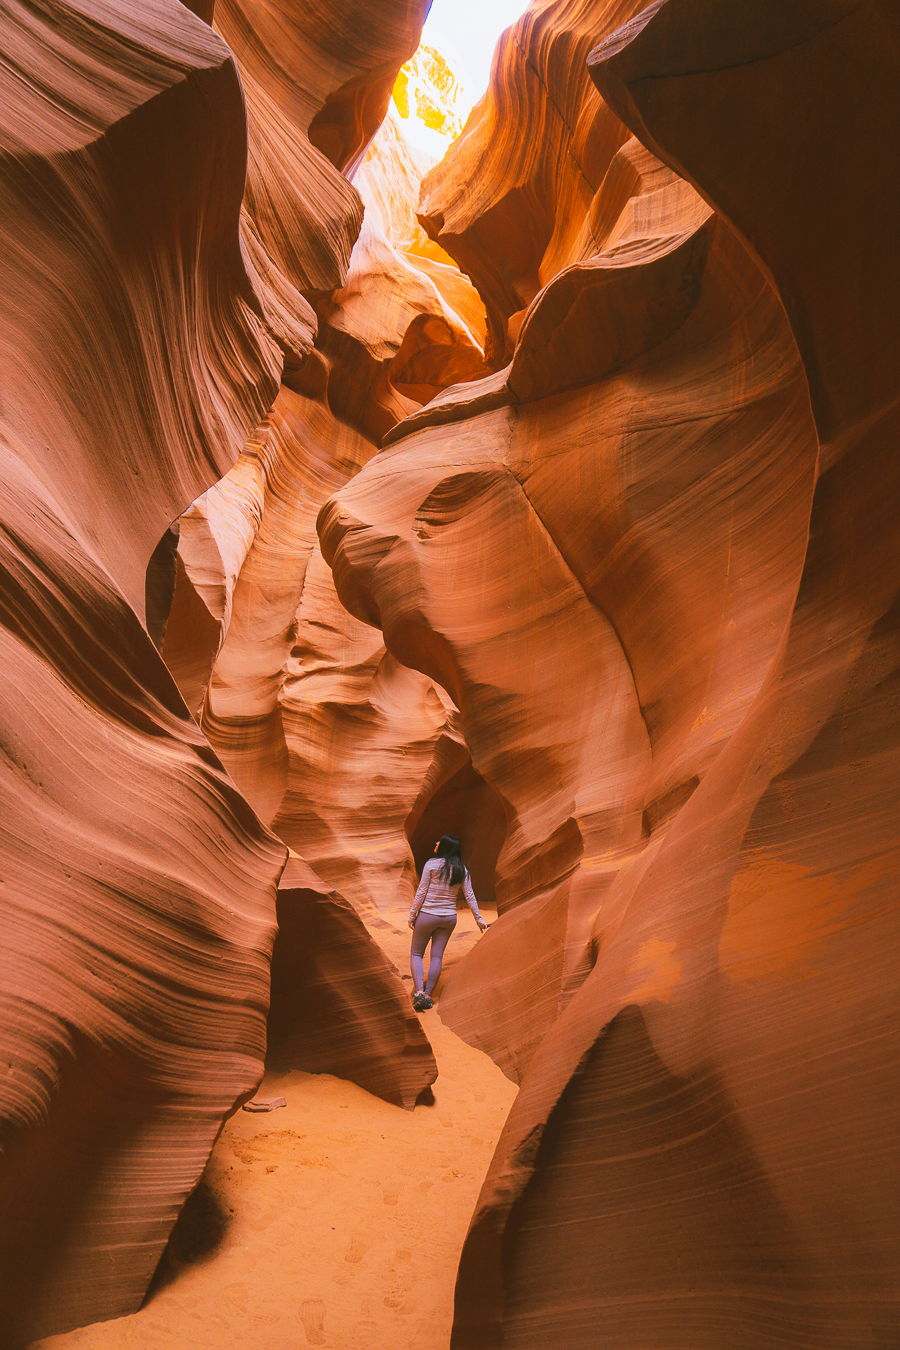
678	675
138	887
147	319
512	199
597	684
584	550
327	735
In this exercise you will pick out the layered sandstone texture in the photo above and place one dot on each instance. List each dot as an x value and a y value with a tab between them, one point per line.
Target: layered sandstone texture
584	550
512	201
330	738
152	306
594	551
138	887
652	559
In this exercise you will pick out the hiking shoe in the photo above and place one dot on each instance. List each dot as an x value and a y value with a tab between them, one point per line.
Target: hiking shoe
421	1001
426	1002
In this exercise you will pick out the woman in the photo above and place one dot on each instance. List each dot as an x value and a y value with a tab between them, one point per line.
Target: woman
433	914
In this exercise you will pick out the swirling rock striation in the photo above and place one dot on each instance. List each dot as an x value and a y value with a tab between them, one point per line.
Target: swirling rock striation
701	1153
597	683
392	339
329	738
317	80
361	732
138	887
684	697
513	199
622	612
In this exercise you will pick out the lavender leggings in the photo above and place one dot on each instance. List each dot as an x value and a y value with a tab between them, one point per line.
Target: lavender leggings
436	931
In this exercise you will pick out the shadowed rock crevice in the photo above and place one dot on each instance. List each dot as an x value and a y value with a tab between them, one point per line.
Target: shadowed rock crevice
337	1004
457	800
160	586
709	1248
199	1232
57	1194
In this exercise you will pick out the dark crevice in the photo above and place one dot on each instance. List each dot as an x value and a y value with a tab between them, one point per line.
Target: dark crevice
459	801
196	1237
159	587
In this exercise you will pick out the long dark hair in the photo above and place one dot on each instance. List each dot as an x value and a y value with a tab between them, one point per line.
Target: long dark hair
453	869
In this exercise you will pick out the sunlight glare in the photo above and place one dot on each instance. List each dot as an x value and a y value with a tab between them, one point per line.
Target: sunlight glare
434	97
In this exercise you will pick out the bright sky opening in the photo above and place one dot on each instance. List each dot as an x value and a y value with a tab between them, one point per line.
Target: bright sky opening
465	33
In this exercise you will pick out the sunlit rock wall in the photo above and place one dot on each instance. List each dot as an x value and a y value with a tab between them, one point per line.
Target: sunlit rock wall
512	200
595	552
328	736
653	560
148	318
613	598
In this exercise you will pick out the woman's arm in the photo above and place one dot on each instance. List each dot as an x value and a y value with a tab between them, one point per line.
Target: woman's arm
419	897
472	902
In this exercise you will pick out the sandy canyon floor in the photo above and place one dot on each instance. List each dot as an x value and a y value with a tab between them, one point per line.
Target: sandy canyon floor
336	1221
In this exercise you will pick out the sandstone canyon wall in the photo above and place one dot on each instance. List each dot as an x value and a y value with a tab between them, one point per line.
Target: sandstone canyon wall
594	550
328	736
336	1003
584	549
664	603
138	887
148	319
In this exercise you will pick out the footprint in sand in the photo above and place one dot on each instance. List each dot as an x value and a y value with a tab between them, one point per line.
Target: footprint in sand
359	1245
401	1281
389	1195
312	1315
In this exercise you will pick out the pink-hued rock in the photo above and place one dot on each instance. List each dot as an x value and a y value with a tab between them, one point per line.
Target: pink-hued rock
260	524
615	600
393	341
137	886
328	67
361	732
317	79
148	317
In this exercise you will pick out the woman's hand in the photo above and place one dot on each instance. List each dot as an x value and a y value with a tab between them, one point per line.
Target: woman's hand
411	923
482	925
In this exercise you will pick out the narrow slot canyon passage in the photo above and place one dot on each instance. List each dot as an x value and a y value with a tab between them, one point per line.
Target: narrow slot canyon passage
336	1221
398	445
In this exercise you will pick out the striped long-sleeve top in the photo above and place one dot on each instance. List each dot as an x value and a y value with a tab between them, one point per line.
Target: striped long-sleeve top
437	898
